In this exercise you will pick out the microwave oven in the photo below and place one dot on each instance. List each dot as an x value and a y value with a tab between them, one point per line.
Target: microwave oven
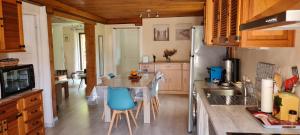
16	79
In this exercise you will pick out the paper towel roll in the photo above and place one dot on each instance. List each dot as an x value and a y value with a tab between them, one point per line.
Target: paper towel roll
267	95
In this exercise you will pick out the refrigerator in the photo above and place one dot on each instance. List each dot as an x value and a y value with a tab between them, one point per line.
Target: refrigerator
201	58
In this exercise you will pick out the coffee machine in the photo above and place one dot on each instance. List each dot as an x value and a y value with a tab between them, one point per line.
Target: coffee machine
231	70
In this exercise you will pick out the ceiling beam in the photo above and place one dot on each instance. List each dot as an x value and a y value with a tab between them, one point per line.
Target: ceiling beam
58	6
136	21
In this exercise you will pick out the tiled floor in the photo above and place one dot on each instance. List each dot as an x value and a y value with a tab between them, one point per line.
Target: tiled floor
78	118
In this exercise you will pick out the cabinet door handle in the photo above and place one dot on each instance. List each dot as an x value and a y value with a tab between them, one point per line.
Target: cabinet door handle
19	115
34	111
2	112
22	46
34	99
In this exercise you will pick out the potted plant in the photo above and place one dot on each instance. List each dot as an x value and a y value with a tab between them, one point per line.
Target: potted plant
168	54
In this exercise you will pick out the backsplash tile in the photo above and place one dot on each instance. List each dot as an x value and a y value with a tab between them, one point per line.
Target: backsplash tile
264	71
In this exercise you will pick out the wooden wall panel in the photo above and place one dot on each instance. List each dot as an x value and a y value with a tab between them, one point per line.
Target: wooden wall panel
52	71
89	30
59	6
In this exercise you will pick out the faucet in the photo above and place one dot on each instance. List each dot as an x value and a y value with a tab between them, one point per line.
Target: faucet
245	92
246	86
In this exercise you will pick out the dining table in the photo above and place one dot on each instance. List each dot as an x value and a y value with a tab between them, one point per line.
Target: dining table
123	80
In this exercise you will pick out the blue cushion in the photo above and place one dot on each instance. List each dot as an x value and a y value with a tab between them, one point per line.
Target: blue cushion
119	98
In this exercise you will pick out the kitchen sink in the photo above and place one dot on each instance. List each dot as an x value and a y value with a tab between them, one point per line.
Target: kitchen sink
222	91
228	96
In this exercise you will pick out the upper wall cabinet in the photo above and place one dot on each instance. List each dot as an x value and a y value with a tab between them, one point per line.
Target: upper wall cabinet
221	22
263	38
223	17
11	30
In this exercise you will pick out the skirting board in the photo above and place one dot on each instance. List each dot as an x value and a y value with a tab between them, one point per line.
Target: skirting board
51	125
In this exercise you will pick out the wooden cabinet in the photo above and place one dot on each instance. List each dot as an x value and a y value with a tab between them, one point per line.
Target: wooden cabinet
172	74
185	76
263	38
225	22
9	116
11	26
22	114
223	17
32	110
176	76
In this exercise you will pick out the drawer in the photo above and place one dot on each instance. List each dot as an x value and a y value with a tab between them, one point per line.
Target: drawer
33	124
32	112
39	131
186	66
168	66
32	100
7	110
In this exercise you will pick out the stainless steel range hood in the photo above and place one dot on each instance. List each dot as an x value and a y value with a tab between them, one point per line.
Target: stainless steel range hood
287	20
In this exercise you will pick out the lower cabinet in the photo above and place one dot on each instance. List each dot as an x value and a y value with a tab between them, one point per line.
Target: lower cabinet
202	119
22	114
176	76
9	119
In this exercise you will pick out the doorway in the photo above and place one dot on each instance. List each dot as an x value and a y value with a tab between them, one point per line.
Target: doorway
82	51
126	49
69	49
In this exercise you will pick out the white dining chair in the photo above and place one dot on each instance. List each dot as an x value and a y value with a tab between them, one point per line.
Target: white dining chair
154	96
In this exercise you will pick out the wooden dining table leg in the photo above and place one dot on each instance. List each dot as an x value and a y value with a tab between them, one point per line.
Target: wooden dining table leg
146	99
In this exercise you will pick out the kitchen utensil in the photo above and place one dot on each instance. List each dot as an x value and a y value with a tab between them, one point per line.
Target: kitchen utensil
278	83
295	71
228	70
289	83
235	70
215	73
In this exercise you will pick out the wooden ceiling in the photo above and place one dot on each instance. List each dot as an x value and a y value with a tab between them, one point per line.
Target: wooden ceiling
57	19
129	9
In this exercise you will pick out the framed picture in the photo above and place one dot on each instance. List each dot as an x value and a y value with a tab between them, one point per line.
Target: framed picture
183	31
161	32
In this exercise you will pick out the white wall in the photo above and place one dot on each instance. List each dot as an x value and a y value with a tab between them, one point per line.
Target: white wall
285	58
58	47
147	45
71	46
151	47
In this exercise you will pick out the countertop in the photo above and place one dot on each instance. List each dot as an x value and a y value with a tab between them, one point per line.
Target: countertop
15	97
159	62
233	118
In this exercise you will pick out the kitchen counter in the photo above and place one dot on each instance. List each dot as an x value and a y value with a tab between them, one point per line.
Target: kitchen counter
233	118
158	62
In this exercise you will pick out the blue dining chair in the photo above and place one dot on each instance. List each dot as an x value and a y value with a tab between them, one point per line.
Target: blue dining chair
120	102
